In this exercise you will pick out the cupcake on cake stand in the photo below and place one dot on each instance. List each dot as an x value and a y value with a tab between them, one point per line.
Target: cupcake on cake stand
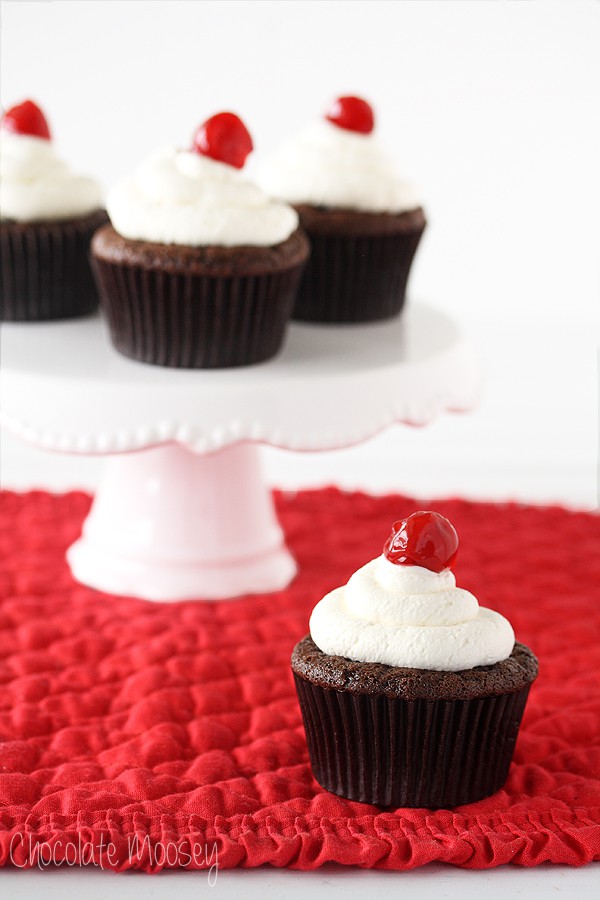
182	510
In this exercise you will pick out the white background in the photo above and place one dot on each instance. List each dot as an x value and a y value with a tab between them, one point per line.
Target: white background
491	107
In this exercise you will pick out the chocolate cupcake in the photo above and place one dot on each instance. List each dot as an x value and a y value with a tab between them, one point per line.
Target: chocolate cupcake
48	216
363	222
198	268
411	693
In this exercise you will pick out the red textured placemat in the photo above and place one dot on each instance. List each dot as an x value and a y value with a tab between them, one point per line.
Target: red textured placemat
143	733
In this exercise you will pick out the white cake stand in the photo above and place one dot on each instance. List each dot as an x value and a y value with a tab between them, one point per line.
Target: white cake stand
182	510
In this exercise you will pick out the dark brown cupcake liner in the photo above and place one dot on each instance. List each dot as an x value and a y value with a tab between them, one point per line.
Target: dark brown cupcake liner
187	320
45	271
412	753
354	278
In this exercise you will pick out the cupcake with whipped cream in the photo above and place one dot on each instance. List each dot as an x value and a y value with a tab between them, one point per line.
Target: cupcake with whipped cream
48	215
411	693
198	268
364	222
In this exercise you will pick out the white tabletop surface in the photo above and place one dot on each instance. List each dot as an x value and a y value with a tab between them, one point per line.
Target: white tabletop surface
433	882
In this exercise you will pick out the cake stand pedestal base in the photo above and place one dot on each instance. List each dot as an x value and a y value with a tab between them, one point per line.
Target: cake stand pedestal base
183	511
170	524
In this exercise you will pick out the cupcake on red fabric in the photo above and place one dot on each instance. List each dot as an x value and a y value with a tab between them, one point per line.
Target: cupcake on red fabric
198	268
364	222
411	693
48	215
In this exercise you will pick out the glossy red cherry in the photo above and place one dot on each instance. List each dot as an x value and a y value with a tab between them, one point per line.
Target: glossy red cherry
224	137
351	113
26	118
424	539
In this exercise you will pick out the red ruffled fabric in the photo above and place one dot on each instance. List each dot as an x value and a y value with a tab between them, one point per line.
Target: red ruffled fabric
136	735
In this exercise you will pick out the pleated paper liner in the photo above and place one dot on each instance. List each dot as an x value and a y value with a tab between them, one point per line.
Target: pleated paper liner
45	271
187	320
394	752
354	277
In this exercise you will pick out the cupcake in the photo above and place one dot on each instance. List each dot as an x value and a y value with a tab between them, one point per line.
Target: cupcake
47	218
363	221
411	693
198	268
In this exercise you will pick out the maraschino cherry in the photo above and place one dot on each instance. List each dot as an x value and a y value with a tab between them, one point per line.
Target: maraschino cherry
26	118
424	539
352	114
224	137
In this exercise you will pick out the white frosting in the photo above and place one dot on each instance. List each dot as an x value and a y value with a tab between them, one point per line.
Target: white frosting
331	166
35	184
181	197
408	616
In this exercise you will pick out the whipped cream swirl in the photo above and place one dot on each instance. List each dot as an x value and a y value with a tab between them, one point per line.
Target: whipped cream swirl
331	166
181	197
409	616
36	185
